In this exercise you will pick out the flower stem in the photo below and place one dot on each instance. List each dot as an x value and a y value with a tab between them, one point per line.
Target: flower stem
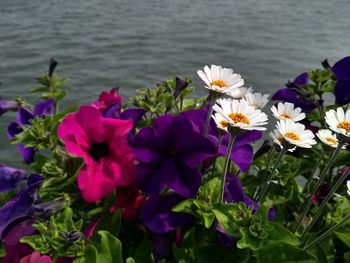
227	160
314	171
268	181
268	163
210	112
214	163
322	177
328	232
324	203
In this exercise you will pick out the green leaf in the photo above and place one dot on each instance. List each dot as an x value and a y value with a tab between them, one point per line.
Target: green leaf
143	254
280	233
109	222
344	236
210	192
281	252
109	250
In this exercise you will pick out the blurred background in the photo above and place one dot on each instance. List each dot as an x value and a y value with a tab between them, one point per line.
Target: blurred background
101	44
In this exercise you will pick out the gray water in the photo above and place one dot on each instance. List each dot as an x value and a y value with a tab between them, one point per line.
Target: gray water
100	44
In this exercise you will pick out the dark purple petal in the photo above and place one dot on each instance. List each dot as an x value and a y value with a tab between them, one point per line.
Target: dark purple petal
20	207
154	178
286	94
192	146
234	192
242	156
180	86
44	107
341	69
342	92
157	216
198	119
7	105
161	246
146	155
134	114
243	138
113	111
10	177
27	153
13	129
23	116
302	79
272	213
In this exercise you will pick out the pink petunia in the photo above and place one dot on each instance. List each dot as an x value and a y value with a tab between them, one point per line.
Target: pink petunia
35	257
102	143
107	99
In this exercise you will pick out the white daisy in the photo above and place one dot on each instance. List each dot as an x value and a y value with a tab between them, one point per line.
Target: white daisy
348	185
286	111
240	114
220	79
278	139
294	133
239	93
339	121
220	121
328	138
257	100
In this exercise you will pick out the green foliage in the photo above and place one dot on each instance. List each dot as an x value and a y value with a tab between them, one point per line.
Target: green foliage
60	236
339	210
107	250
51	87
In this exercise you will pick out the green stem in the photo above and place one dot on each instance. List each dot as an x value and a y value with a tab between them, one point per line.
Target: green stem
268	181
322	177
210	112
325	201
227	160
328	232
214	163
314	171
268	163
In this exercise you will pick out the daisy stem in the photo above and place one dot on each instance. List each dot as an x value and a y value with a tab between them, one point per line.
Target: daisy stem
322	177
214	163
210	112
325	201
227	160
268	181
268	163
328	232
314	170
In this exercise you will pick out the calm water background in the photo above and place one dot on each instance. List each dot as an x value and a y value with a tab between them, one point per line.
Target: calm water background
135	43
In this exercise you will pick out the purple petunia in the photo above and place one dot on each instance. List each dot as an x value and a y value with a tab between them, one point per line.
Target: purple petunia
157	215
23	116
169	154
293	93
7	105
341	70
242	151
10	177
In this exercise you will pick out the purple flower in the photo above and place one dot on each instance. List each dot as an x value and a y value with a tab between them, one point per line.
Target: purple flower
7	105
242	151
169	154
10	177
180	86
341	70
23	116
294	93
157	216
21	207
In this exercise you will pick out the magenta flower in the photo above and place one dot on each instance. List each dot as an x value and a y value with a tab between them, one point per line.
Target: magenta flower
109	103
35	257
102	143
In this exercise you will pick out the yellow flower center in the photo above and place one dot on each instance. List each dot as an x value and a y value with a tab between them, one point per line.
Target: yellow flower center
285	116
292	136
223	124
219	83
331	140
238	117
344	125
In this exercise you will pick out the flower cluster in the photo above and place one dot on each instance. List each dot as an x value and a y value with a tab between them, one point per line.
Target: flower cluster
172	178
